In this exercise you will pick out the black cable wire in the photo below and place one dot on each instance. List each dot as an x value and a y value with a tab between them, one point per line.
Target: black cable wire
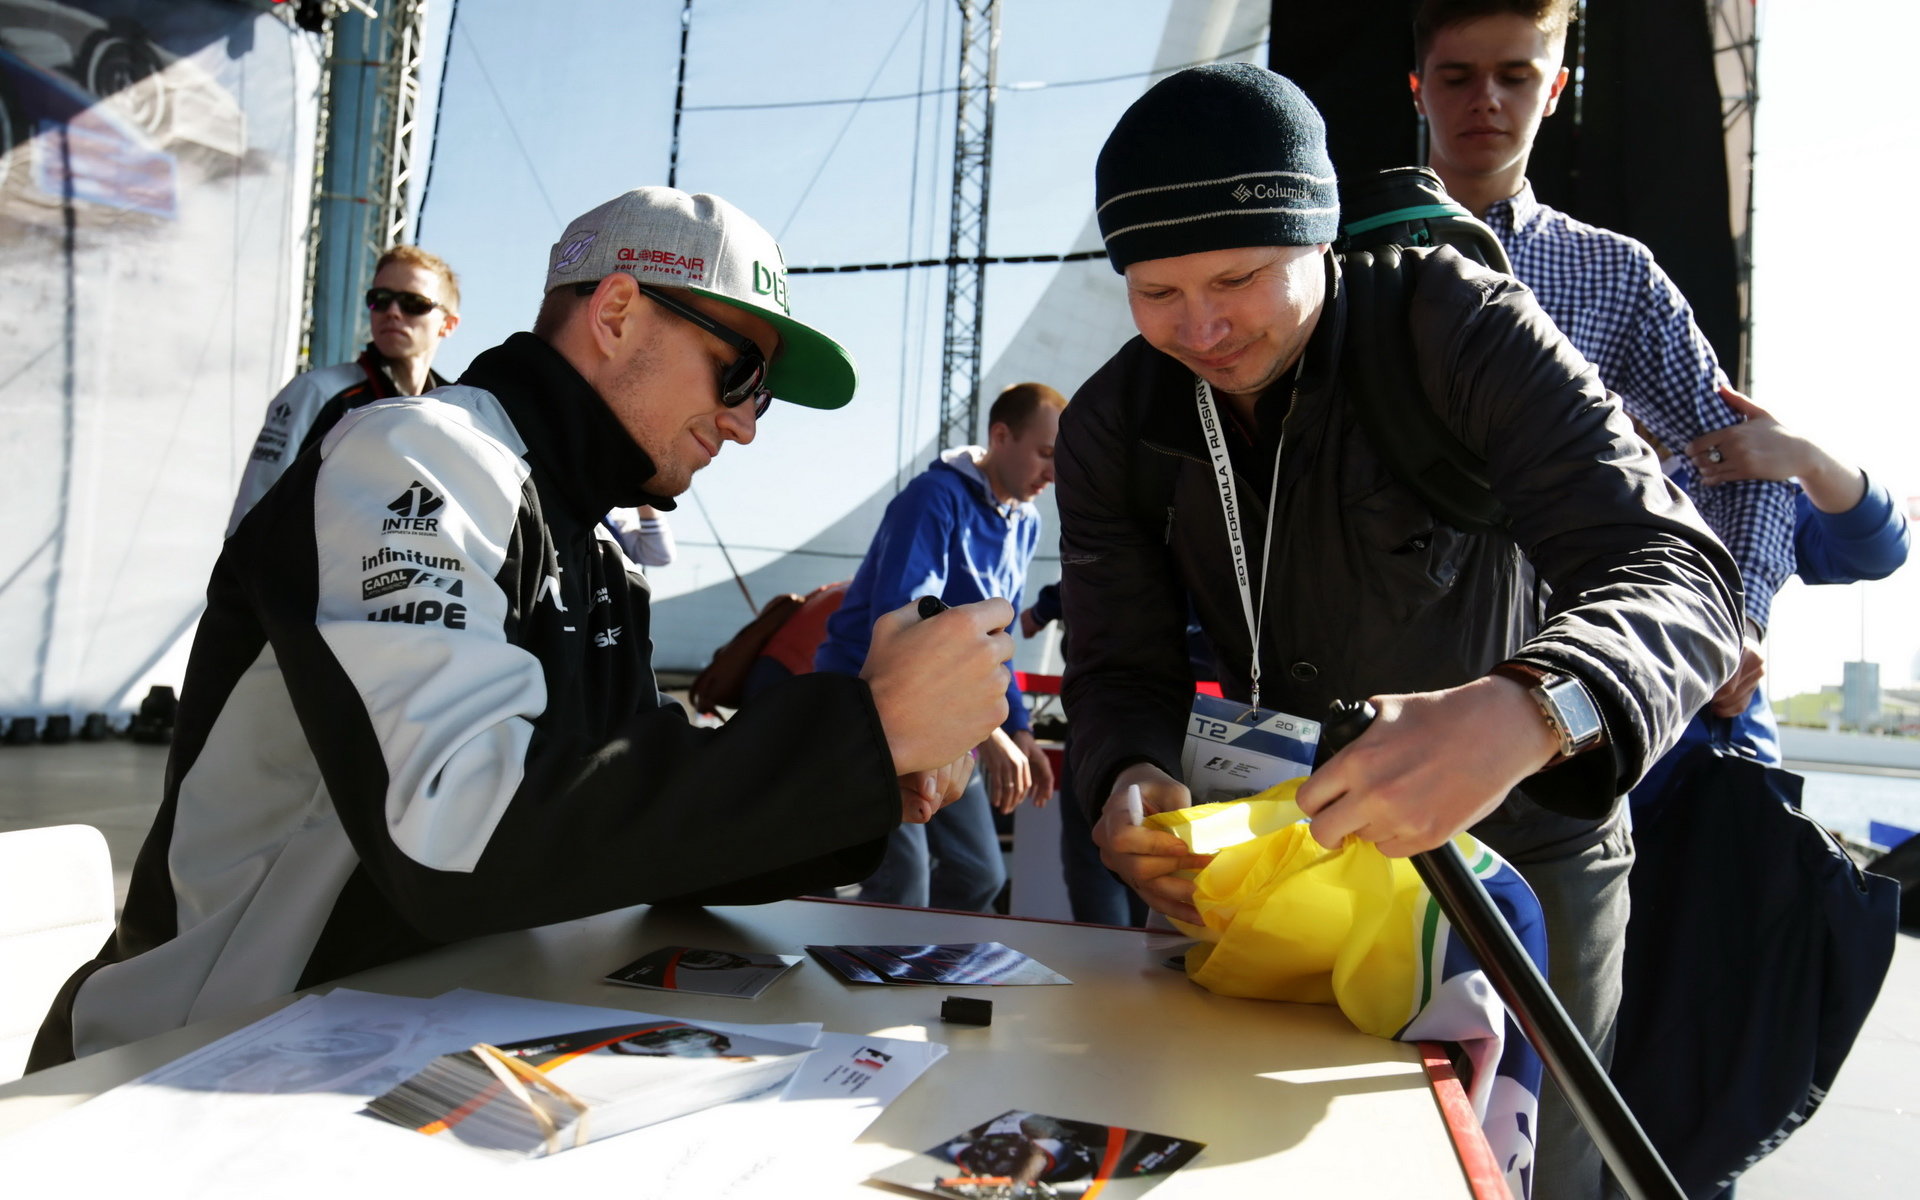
722	547
679	95
984	260
506	118
947	91
800	551
846	125
906	291
439	106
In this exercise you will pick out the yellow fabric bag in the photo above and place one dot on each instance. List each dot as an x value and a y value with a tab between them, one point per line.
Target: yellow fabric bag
1289	920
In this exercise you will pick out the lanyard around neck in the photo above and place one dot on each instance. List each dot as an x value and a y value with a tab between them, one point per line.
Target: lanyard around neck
1216	436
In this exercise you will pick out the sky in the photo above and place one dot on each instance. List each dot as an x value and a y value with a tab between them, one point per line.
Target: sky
519	152
1833	329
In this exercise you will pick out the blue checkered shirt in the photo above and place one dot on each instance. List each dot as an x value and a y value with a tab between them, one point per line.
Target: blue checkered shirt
1619	309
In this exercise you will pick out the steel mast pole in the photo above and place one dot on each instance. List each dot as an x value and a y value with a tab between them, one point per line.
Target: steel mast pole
967	230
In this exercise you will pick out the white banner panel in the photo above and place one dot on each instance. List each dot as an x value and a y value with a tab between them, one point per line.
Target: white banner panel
154	194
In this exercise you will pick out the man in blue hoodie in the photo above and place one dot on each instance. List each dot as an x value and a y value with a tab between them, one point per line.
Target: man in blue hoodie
964	529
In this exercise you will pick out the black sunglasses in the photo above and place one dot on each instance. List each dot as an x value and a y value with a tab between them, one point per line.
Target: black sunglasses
411	303
743	379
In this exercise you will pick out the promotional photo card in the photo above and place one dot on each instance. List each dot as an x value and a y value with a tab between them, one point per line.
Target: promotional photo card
1022	1155
705	972
960	965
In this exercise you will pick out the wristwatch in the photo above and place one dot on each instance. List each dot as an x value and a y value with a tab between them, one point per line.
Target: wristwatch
1570	711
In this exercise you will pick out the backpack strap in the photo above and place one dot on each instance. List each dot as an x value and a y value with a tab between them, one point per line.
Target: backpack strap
1409	206
1423	453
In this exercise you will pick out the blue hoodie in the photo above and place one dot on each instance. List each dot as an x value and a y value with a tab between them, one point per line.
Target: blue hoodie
944	535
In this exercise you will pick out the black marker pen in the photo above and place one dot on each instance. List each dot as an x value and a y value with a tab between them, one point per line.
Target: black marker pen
931	606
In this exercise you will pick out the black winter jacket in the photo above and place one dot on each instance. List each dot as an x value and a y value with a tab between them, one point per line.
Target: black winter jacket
1368	592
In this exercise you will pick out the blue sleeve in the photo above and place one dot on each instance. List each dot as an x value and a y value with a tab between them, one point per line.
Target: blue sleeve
907	559
1046	604
1868	541
1019	720
909	555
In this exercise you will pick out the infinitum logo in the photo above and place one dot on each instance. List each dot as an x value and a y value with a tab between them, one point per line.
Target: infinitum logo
413	511
1242	193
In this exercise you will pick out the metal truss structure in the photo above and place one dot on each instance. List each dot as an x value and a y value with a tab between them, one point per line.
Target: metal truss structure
364	165
1736	49
967	231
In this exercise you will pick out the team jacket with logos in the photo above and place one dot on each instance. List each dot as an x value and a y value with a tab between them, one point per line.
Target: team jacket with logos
303	412
421	707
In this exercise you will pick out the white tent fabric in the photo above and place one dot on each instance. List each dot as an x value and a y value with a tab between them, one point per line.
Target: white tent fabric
1080	320
152	243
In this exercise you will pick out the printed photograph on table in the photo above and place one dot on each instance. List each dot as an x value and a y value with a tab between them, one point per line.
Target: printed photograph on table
707	972
958	965
538	1097
1022	1155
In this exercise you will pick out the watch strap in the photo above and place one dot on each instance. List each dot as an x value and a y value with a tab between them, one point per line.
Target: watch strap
1535	679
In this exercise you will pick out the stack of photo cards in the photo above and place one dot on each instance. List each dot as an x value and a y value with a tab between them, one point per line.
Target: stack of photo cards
534	1098
707	972
1021	1155
966	964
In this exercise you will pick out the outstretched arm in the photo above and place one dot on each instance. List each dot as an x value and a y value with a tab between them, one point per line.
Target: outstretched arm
1760	447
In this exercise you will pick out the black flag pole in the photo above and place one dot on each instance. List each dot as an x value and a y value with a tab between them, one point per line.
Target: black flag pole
1569	1061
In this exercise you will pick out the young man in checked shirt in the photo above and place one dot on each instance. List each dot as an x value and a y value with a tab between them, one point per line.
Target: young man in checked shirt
1489	71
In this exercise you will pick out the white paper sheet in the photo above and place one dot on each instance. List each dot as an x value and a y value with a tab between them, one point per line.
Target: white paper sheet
275	1109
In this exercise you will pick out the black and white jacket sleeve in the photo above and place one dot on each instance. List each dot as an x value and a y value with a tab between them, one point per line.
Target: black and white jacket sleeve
490	732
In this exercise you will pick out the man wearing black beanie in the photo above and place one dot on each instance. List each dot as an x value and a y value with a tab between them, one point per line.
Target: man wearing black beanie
1217	458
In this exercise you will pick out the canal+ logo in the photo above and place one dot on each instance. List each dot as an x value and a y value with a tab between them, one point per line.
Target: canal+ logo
413	511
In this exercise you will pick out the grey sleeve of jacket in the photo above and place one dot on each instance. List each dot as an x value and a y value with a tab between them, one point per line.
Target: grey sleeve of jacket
1645	600
289	416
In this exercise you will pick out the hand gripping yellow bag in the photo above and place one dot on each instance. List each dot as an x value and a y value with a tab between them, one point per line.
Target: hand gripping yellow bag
1288	920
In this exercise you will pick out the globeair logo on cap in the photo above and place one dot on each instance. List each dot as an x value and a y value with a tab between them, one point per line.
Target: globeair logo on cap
680	268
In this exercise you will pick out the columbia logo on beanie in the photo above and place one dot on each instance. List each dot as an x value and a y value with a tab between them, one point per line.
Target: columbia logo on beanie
1215	158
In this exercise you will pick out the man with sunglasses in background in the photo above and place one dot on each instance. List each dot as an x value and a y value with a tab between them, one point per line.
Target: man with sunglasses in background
413	304
421	705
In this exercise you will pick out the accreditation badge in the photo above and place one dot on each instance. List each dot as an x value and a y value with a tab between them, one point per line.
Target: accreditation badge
1233	751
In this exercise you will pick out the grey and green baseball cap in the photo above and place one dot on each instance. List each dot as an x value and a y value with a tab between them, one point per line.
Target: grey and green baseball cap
670	238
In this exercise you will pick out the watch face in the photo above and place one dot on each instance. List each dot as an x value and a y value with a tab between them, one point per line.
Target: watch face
1578	716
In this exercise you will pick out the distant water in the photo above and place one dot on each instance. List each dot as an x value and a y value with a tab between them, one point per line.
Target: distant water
1846	802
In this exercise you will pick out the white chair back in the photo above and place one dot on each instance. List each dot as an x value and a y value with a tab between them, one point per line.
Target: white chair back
56	910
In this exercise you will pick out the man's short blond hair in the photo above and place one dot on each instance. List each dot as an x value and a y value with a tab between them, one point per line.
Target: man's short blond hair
1015	406
414	256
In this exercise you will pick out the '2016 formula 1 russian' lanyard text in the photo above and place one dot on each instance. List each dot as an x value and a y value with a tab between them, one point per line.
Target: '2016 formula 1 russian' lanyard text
1216	435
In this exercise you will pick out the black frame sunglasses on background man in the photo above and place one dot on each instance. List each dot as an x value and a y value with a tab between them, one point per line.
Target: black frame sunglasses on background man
411	303
743	378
